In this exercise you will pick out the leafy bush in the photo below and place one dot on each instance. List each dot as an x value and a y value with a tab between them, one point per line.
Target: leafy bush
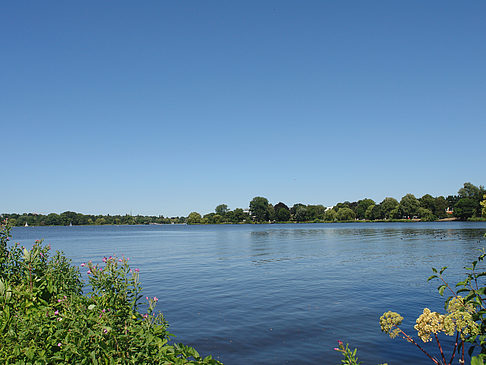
46	318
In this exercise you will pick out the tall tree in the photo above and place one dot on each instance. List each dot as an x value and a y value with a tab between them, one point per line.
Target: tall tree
362	207
408	207
465	208
259	209
194	218
221	209
315	212
282	212
427	202
301	214
345	214
388	205
440	206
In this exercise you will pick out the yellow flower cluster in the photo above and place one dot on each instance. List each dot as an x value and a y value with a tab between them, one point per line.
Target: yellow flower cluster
460	318
428	323
457	304
389	322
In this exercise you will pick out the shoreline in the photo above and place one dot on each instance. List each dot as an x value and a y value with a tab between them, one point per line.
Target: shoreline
443	220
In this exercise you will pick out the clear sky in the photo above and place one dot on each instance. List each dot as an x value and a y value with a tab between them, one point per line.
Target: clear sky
156	107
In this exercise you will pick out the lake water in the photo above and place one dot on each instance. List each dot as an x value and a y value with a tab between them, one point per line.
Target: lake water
283	294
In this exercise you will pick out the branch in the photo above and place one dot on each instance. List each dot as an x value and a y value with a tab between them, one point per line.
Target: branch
410	339
440	348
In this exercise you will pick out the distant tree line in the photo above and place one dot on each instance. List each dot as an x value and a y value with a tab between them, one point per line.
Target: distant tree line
468	203
78	219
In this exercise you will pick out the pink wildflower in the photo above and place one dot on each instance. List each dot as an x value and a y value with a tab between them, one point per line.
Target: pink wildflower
120	260
89	272
104	259
56	312
136	270
83	264
156	299
340	343
59	344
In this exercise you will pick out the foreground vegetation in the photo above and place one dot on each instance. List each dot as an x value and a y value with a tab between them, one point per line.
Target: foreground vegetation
48	316
468	204
464	319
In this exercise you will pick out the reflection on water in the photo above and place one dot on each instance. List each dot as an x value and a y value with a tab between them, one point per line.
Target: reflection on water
283	294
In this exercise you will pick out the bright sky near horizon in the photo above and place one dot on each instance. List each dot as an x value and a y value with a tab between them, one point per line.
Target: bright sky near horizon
170	107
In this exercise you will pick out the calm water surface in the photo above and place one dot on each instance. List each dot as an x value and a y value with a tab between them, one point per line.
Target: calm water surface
283	294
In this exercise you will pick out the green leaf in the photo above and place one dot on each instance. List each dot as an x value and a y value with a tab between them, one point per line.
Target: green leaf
431	277
443	269
441	289
476	360
434	270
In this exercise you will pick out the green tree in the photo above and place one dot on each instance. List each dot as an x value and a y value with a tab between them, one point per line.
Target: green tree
221	209
293	210
53	219
345	214
427	202
315	212
440	206
338	206
387	207
469	191
362	207
301	214
194	218
330	215
465	208
369	212
259	209
209	218
238	216
282	215
271	213
425	215
282	212
408	206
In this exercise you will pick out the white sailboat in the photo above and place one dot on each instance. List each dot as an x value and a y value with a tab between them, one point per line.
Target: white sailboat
26	224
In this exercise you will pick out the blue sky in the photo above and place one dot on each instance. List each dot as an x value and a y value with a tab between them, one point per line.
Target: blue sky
170	107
